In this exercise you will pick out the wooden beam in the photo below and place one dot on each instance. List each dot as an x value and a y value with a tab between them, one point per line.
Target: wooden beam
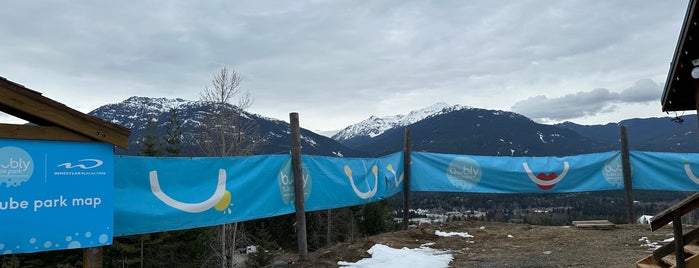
30	105
406	180
666	216
696	97
299	196
39	133
626	172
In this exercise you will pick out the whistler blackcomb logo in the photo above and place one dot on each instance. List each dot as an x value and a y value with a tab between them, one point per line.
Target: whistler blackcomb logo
81	167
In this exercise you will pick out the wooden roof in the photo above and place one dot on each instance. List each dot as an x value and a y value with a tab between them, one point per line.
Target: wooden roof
54	121
680	87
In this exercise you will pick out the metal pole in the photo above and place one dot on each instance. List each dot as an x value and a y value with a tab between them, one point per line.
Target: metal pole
406	180
626	169
298	186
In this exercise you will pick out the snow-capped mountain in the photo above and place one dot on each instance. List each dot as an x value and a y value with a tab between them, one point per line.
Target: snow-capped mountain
271	136
464	130
363	131
439	128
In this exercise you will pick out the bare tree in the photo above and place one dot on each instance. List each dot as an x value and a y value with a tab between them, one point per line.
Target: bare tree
225	131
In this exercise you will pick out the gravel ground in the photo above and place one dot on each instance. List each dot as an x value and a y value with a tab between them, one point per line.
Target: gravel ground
508	245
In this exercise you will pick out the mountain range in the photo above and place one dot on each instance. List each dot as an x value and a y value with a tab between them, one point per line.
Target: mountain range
440	128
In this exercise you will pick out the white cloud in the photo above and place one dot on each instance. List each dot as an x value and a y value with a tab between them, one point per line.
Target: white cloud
339	62
586	103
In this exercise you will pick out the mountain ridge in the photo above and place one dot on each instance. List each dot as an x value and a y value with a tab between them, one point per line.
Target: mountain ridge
272	135
439	128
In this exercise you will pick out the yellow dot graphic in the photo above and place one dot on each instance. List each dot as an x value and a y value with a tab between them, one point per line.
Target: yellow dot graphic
224	202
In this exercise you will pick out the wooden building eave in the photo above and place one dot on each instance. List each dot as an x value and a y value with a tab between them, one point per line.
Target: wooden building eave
54	118
679	92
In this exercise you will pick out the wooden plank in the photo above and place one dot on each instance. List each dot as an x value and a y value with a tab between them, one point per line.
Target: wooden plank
692	248
692	261
596	226
601	222
30	105
39	133
647	262
692	235
665	217
670	260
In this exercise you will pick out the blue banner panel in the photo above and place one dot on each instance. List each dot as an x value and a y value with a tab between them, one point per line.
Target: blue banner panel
342	182
490	174
160	194
665	171
392	168
55	195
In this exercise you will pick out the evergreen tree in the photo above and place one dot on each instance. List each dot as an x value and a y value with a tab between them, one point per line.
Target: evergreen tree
151	144
173	134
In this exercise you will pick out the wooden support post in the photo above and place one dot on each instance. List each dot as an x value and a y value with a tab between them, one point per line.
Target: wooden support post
92	257
679	238
298	186
696	98
406	180
626	170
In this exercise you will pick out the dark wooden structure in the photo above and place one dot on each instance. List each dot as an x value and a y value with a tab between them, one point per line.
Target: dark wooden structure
681	93
51	120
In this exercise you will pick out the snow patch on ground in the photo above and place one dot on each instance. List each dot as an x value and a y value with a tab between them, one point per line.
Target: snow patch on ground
387	257
645	242
445	234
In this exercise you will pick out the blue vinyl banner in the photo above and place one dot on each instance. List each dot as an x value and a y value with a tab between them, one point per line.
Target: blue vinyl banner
392	166
159	194
343	182
490	174
55	195
665	171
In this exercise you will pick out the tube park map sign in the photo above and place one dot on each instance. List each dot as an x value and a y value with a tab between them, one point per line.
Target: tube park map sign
55	195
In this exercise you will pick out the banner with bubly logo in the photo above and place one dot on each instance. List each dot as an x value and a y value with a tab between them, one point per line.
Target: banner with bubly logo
55	195
154	194
492	174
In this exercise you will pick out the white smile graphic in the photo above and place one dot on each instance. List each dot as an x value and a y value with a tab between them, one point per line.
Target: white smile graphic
189	207
543	182
368	194
690	174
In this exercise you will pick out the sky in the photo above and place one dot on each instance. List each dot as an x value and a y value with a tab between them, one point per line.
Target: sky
337	63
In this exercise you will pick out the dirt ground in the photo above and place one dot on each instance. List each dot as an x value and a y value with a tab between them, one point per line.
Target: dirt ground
507	245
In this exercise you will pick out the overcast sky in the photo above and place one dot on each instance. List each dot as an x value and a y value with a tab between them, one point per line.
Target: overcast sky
339	62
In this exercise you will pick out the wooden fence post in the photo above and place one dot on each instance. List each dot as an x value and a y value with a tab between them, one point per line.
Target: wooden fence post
92	257
406	180
298	186
626	170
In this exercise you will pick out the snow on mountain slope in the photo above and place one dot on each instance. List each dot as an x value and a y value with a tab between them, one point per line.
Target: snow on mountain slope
374	126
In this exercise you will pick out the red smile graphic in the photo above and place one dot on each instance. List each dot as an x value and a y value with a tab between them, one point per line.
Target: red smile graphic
544	181
551	176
